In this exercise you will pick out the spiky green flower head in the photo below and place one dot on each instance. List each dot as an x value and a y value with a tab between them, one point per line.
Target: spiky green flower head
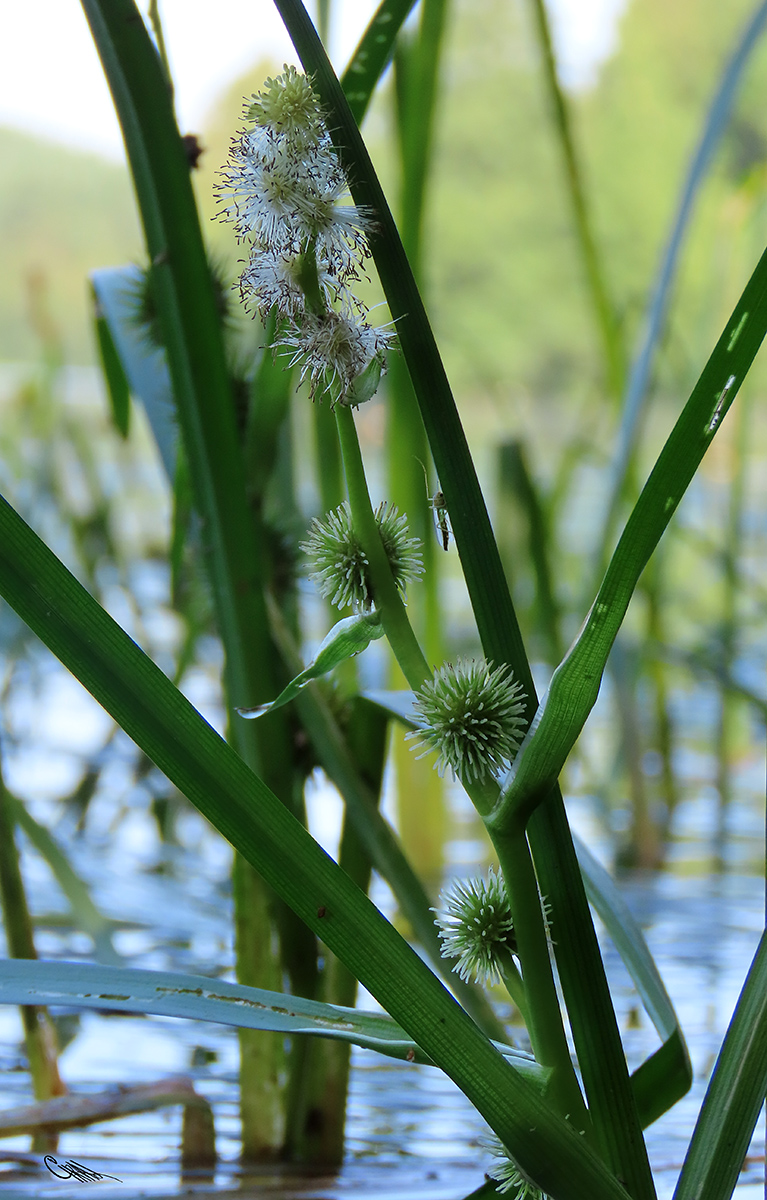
476	927
509	1175
472	715
288	107
341	568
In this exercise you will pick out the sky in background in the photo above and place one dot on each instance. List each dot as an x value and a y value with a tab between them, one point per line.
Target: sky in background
51	82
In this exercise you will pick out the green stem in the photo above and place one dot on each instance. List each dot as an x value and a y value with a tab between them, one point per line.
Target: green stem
514	985
39	1033
397	627
544	1019
546	1030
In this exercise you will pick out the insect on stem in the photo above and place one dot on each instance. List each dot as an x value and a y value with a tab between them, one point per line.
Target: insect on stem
439	508
440	517
717	413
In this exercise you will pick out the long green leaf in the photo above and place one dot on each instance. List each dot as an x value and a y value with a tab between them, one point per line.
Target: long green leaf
714	126
183	292
198	998
734	1096
575	684
372	55
233	533
170	731
465	503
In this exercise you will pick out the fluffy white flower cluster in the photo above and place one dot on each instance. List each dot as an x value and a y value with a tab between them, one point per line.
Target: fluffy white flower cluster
283	188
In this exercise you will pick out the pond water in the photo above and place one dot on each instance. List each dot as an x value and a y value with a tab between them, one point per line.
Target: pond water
409	1131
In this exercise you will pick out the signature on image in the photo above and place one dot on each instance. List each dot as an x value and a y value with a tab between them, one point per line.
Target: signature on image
71	1169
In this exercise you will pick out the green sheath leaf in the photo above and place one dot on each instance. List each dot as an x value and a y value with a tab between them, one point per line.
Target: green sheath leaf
349	637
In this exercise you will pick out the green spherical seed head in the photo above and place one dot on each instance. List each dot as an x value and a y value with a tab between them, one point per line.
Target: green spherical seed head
472	715
341	568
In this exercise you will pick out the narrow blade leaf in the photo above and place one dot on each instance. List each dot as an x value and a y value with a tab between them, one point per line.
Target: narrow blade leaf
575	684
372	55
198	998
734	1096
346	639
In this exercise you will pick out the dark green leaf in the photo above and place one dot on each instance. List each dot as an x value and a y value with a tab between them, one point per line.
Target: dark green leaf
372	55
575	684
114	376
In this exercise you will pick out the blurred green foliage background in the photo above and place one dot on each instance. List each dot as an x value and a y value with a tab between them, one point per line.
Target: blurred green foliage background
503	279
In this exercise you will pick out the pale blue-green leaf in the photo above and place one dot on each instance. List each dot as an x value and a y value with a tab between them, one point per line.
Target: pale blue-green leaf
196	997
346	639
145	366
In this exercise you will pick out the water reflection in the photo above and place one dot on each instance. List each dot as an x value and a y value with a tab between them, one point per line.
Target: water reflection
409	1129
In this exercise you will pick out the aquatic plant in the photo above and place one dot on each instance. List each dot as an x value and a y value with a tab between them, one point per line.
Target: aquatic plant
564	1134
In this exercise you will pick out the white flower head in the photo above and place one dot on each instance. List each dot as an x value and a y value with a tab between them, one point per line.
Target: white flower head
288	107
339	355
286	192
284	186
270	278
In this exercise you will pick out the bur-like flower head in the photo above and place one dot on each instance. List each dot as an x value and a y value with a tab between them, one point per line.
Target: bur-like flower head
341	568
472	715
476	927
509	1175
